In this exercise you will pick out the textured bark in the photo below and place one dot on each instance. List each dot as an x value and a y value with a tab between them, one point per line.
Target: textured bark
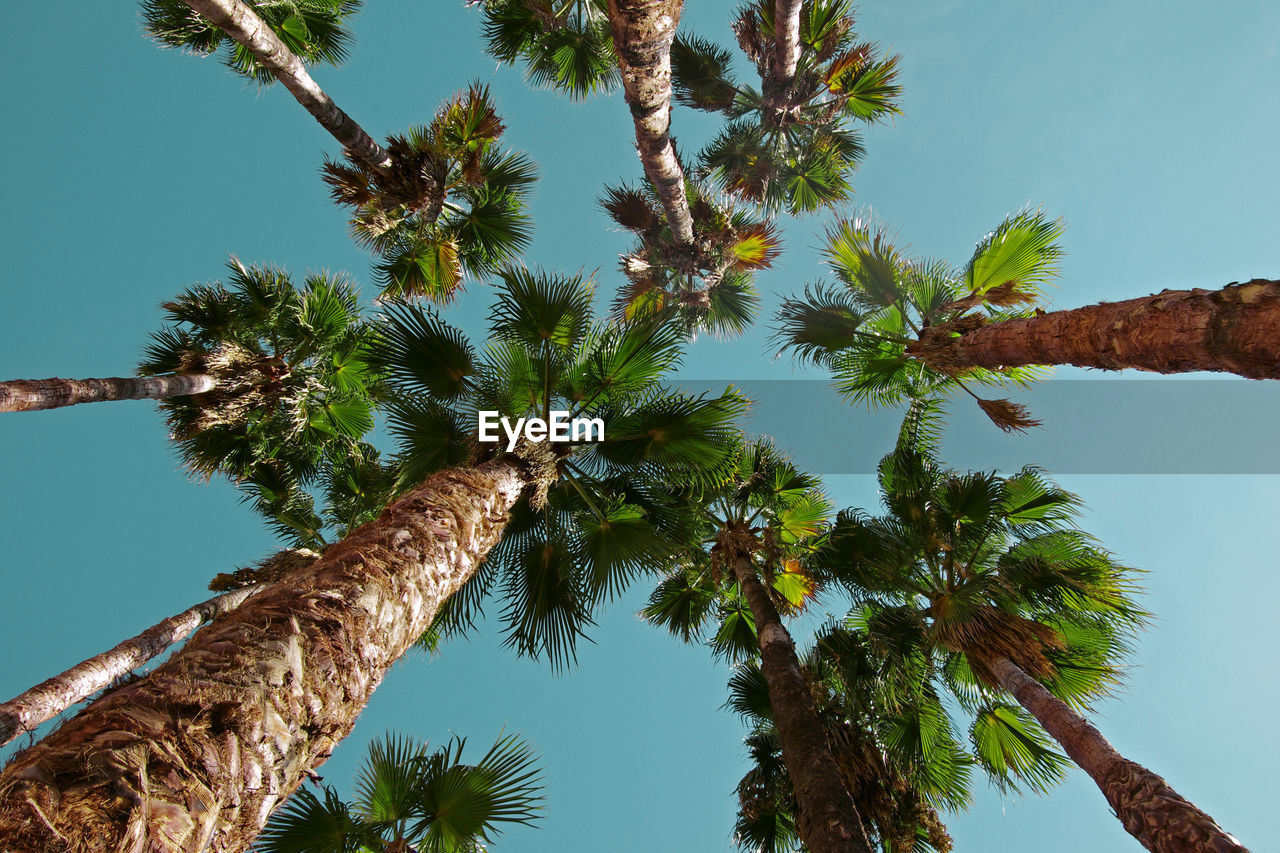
642	34
29	395
243	24
826	816
1150	810
786	27
55	695
1233	330
195	755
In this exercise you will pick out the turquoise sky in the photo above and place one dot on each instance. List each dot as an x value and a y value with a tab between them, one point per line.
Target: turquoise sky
133	172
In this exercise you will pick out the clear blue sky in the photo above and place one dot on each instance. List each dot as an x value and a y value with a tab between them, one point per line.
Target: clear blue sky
132	172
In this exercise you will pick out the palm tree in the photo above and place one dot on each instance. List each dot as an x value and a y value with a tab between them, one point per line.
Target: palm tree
452	203
789	144
315	30
892	328
712	289
566	46
860	327
755	522
411	799
897	793
642	35
312	26
259	373
984	580
277	683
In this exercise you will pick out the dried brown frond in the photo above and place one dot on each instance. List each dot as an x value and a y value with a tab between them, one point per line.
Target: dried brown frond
755	247
1009	294
750	37
629	208
1008	415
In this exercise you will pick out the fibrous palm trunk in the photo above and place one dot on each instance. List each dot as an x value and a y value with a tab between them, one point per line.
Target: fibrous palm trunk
1150	810
786	58
55	695
1233	330
827	818
642	34
29	395
241	23
195	755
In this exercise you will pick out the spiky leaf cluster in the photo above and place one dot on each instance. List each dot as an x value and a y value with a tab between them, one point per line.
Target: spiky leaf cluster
314	30
451	204
563	46
867	328
964	569
897	786
606	518
790	144
293	384
409	797
709	286
784	512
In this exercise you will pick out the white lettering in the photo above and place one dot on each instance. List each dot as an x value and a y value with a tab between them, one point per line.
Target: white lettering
559	428
488	423
590	427
513	435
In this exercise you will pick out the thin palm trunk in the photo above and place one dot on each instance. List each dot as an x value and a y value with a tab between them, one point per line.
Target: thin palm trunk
826	816
1233	330
1150	810
241	23
195	755
786	58
55	695
29	395
642	34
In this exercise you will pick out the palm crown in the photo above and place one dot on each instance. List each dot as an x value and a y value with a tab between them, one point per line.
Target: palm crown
764	497
452	203
863	327
292	381
408	797
965	569
599	524
789	144
709	286
313	29
564	45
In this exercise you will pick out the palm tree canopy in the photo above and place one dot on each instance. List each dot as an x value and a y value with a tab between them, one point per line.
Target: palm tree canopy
789	144
707	287
607	518
452	204
859	327
293	380
408	797
313	29
963	568
564	46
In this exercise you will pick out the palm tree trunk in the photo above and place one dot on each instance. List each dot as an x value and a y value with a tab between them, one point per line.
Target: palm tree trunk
827	818
55	695
29	395
642	34
786	28
241	23
1233	330
1150	810
195	755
